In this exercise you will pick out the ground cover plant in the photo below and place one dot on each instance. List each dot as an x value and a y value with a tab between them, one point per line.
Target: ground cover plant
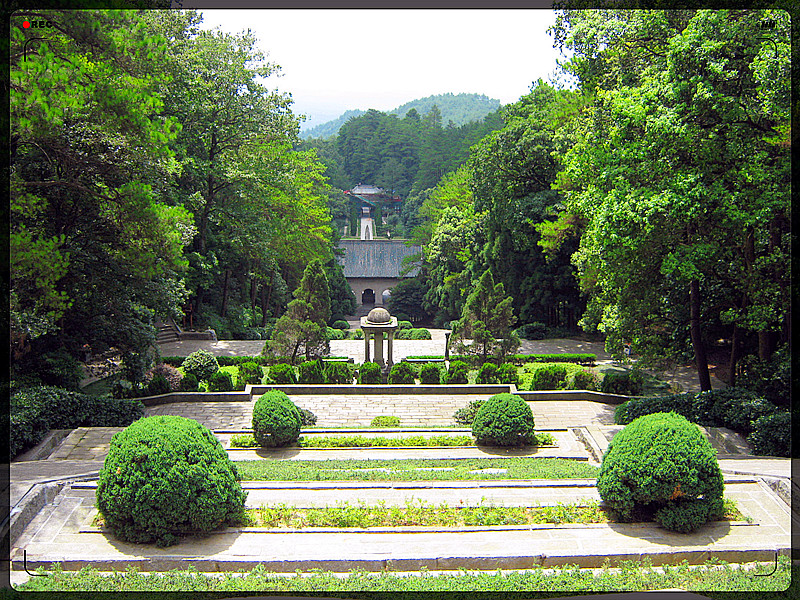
360	441
769	581
420	513
661	467
415	469
165	476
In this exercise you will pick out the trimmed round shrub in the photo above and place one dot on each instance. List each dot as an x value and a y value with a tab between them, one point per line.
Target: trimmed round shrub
165	476
582	380
334	334
338	373
310	372
402	374
623	383
385	421
251	372
405	325
430	374
457	373
550	377
466	415
507	373
221	381
282	373
771	435
341	324
307	418
158	385
504	420
662	468
420	334
201	364
487	373
276	420
189	383
370	373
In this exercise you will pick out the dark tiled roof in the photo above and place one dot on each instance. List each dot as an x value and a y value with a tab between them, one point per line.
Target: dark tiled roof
375	258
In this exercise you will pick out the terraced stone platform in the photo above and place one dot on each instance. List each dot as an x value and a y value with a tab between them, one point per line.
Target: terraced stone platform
62	532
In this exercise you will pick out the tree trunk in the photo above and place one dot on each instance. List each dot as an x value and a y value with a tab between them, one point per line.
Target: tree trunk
253	293
700	359
734	356
263	306
225	293
766	344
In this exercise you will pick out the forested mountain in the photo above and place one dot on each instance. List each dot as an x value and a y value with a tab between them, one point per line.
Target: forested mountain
330	128
456	108
402	155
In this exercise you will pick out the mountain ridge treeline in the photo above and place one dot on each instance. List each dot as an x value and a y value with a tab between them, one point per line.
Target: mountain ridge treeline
459	108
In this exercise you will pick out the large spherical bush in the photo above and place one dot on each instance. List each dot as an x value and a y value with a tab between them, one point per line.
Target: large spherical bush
167	475
504	420
276	420
661	467
201	364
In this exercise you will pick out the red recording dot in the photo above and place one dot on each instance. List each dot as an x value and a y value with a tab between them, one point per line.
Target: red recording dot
26	24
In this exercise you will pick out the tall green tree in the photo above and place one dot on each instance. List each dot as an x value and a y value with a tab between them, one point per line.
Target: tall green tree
95	251
682	175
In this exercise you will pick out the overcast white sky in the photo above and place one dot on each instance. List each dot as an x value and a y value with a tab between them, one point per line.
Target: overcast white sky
337	60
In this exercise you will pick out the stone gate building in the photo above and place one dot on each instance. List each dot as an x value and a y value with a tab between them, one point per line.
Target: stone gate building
372	268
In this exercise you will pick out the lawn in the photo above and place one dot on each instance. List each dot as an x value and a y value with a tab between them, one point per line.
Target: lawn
405	469
633	576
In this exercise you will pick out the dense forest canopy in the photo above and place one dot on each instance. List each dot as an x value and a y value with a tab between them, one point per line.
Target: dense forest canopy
155	172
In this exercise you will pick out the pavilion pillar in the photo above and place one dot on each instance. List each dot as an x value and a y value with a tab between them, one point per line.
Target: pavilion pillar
379	348
366	346
389	358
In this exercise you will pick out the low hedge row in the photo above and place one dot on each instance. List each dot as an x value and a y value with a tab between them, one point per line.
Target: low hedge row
766	426
34	411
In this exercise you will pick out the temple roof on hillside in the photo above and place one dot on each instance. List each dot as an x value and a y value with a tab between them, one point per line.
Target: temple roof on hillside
375	258
369	190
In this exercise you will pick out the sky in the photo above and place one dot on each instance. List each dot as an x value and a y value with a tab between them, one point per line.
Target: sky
337	60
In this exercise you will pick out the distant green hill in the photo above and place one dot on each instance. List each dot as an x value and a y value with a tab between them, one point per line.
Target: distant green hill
458	108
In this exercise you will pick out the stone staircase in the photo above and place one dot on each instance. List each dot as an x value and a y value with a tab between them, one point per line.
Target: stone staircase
167	332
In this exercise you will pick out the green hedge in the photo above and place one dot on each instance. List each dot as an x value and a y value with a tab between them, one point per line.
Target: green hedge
34	411
734	408
581	359
370	373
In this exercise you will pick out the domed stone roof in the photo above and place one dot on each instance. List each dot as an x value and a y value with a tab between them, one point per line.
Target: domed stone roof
379	316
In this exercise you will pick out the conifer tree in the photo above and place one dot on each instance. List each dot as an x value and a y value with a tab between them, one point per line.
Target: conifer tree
487	319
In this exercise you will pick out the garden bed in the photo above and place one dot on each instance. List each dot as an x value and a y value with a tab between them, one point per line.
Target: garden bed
360	441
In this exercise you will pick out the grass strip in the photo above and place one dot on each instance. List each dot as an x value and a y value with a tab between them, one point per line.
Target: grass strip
360	441
404	469
715	578
420	513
